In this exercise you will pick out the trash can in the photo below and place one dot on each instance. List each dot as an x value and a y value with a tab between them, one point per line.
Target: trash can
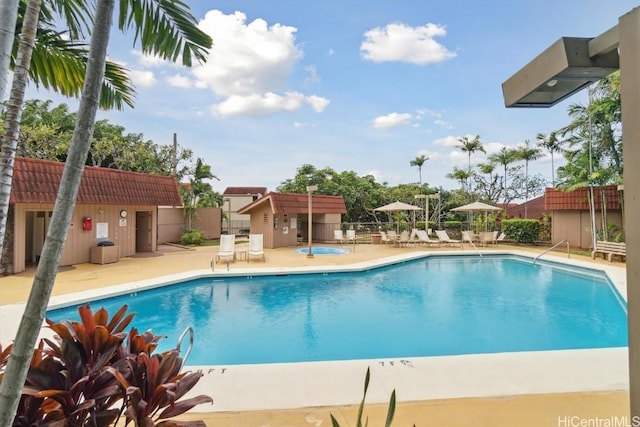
376	239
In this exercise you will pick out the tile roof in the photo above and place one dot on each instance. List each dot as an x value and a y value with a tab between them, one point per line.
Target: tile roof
556	199
37	181
293	203
245	190
535	209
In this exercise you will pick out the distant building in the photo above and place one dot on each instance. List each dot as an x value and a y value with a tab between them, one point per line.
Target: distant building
281	216
534	209
236	198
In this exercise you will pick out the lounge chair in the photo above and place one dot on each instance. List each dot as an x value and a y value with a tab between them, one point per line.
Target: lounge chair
424	238
444	238
338	236
393	236
403	239
384	239
501	237
351	236
256	246
469	237
227	248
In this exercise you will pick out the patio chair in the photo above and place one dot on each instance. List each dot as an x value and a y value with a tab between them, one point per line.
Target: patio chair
351	236
444	238
384	238
256	246
227	248
501	237
393	236
403	239
423	237
338	236
469	237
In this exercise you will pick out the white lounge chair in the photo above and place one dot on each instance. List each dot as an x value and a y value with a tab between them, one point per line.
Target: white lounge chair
444	238
338	236
256	246
384	239
351	236
403	239
227	248
424	238
469	237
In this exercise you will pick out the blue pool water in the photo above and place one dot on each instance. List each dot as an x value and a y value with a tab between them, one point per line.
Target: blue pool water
322	250
427	307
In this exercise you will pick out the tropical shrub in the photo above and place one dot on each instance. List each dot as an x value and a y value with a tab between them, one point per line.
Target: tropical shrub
93	373
453	225
192	237
522	230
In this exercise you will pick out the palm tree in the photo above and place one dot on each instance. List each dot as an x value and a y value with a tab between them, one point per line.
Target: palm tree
552	144
419	161
180	37
504	157
527	153
198	189
470	146
8	17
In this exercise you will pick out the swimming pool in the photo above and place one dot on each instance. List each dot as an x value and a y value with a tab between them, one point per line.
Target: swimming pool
432	306
322	250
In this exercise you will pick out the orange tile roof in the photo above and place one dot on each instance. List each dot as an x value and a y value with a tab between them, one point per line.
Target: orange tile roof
556	199
37	181
245	190
293	203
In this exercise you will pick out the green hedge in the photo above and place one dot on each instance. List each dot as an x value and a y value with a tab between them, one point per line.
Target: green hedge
522	230
192	237
453	225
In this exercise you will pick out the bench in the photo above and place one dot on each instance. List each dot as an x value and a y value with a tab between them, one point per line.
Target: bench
609	249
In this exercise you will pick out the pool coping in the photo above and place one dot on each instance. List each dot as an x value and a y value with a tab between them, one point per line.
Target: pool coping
309	384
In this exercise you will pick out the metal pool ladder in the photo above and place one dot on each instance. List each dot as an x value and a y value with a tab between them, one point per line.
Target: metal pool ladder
552	248
180	338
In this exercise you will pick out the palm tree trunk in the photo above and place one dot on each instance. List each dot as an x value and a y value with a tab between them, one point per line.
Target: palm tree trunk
14	376
8	18
14	110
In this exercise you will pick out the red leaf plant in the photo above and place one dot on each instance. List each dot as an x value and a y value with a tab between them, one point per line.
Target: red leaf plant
93	373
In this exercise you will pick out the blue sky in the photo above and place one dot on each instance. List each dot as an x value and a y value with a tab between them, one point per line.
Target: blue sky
352	85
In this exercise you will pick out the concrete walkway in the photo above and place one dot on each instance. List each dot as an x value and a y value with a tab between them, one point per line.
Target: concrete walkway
522	410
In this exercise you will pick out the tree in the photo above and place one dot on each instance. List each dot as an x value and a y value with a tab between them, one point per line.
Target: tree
168	30
419	161
527	153
552	144
504	157
470	145
198	189
8	17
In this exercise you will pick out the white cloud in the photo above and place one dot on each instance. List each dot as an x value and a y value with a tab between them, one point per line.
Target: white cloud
318	103
299	125
312	74
178	80
143	78
149	61
246	58
399	42
391	120
443	124
258	104
447	141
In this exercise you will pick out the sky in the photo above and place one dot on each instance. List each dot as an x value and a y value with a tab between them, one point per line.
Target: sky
364	86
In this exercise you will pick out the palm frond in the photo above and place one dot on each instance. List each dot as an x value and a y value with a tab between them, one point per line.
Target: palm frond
165	28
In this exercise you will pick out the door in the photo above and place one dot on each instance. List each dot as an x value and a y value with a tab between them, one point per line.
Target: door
143	232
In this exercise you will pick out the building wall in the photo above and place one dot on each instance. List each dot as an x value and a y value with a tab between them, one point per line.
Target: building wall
262	223
575	226
31	221
171	223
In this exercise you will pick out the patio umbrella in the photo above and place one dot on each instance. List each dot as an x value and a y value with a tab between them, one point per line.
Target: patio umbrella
477	207
398	206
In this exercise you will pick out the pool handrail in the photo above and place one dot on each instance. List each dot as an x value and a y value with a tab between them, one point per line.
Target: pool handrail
551	248
469	240
191	338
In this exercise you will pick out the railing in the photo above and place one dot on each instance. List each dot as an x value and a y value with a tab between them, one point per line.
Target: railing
472	244
552	248
180	338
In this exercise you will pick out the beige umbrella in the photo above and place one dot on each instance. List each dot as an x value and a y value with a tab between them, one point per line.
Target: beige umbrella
398	206
477	207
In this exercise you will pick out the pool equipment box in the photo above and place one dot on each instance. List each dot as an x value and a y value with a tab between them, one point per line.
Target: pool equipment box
105	254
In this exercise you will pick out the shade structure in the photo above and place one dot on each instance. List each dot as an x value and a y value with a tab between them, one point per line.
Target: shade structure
477	207
398	206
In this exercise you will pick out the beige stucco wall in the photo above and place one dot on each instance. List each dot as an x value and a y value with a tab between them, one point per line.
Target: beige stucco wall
121	231
575	226
171	223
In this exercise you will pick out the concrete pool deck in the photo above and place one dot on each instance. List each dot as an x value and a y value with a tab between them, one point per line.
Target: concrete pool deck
539	388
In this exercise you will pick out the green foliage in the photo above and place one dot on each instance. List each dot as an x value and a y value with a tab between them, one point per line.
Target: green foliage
452	225
522	230
93	373
192	237
391	409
